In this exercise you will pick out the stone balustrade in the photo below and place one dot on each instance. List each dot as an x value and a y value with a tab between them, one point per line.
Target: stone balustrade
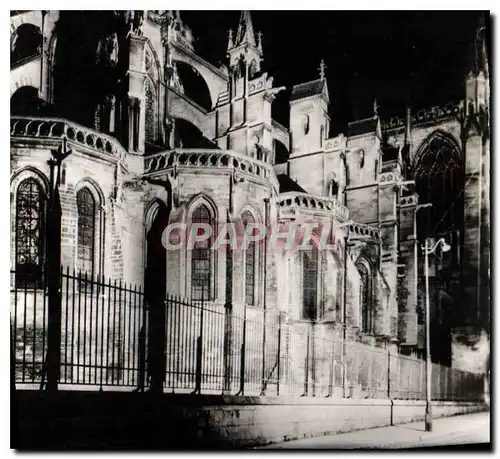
432	114
335	143
58	128
411	200
360	229
205	158
293	200
389	177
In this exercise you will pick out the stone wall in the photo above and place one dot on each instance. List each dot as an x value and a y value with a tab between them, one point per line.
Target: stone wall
140	420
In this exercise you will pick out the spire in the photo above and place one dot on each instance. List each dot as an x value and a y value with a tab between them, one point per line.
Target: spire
481	51
375	108
405	151
376	117
321	69
245	33
230	39
408	126
259	41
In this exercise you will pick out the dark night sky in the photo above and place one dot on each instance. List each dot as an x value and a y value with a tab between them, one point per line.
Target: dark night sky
416	56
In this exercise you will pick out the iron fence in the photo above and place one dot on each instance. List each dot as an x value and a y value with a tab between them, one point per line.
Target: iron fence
105	340
100	330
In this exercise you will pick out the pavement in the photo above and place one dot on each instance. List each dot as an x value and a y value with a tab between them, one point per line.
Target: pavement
463	430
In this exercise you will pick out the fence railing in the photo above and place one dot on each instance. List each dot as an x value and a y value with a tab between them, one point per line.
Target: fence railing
106	340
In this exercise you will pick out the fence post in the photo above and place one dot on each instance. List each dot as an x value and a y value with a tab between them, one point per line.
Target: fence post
242	355
389	374
306	368
199	354
228	321
313	359
344	364
54	273
279	354
332	369
263	390
156	364
227	346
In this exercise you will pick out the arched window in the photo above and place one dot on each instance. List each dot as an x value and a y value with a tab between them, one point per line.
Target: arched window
29	233
201	258
86	230
26	42
439	181
305	124
250	263
365	300
321	136
333	189
151	112
310	281
252	70
339	292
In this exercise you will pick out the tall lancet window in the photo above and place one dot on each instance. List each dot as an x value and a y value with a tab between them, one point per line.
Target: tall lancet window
201	259
333	189
250	262
310	281
29	233
365	301
339	292
151	112
439	181
86	230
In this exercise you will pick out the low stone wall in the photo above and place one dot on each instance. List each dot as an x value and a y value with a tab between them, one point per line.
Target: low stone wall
77	419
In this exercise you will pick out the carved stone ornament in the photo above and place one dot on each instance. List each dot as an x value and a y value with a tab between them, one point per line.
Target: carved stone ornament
107	50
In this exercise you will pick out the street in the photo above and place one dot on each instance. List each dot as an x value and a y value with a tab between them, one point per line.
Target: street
457	430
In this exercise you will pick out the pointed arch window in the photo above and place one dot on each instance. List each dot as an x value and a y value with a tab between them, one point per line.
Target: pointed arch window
439	181
151	120
86	206
333	188
201	258
365	300
30	233
250	263
312	265
305	124
339	292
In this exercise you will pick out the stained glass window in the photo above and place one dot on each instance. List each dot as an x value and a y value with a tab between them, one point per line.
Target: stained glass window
30	228
201	259
310	284
439	181
365	299
86	230
151	125
339	298
250	260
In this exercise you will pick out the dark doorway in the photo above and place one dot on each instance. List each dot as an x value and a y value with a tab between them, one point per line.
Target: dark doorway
155	286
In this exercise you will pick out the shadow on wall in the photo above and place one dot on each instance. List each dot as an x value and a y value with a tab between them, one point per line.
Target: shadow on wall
187	135
194	85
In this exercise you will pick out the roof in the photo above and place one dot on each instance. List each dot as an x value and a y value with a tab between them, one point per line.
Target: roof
311	88
287	184
362	127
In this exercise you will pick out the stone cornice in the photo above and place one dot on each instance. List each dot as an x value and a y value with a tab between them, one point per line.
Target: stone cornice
37	130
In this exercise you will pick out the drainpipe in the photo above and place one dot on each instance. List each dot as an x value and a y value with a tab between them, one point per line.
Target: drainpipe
266	220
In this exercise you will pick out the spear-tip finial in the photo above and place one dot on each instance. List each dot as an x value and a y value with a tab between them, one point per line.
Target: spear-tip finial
322	68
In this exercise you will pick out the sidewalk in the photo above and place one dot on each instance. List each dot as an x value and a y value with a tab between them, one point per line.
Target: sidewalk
457	430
